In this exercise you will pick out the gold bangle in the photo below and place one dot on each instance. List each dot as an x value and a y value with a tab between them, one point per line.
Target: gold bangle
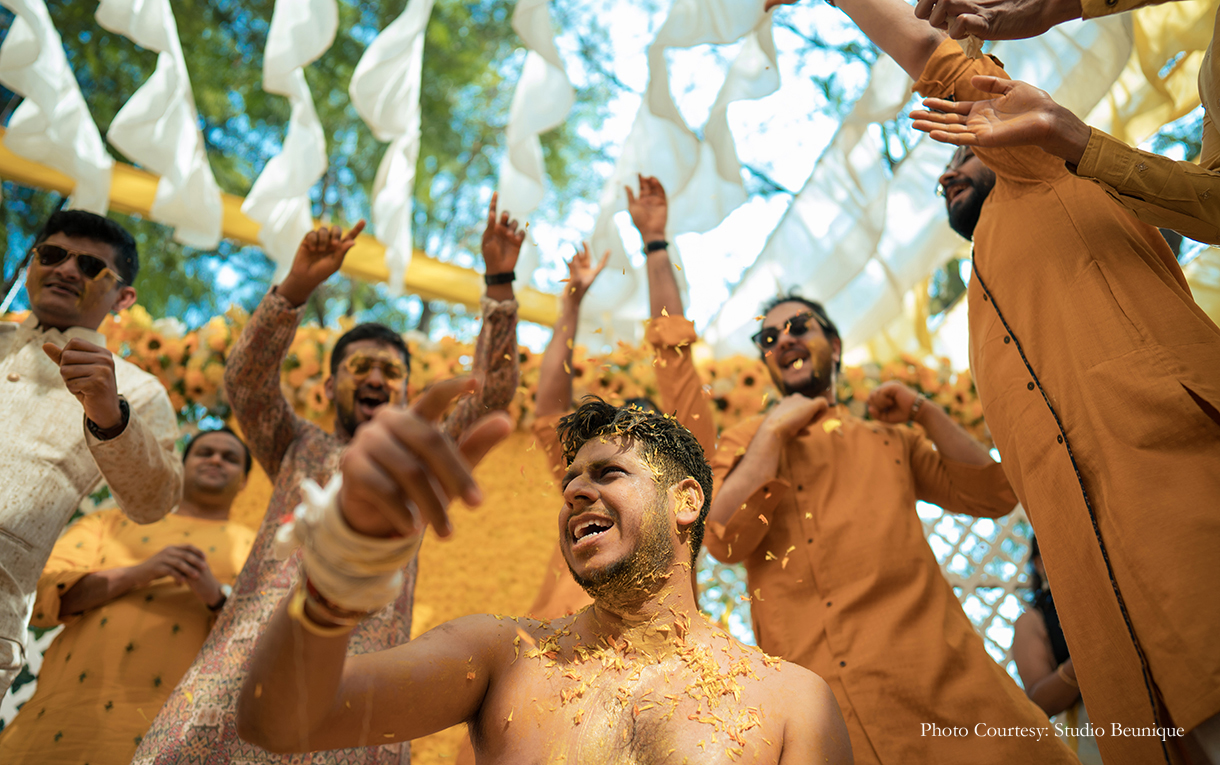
296	610
1064	677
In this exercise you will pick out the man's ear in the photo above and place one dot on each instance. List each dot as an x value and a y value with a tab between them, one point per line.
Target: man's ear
125	299
837	346
688	501
329	387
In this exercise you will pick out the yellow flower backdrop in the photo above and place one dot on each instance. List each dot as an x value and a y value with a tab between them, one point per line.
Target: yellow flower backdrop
518	519
191	366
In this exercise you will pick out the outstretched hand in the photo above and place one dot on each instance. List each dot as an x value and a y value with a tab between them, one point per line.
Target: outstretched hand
1021	115
650	210
401	471
996	19
318	257
582	272
501	241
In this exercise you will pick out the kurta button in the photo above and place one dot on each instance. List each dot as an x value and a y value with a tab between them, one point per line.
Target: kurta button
1030	386
842	664
1059	439
828	604
800	487
13	377
985	298
1007	339
810	540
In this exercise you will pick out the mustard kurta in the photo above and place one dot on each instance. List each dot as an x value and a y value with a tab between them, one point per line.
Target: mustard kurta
681	392
1183	196
1100	380
110	670
842	582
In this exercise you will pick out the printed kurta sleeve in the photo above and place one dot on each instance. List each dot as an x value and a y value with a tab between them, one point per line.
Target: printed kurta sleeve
140	465
948	75
979	490
749	524
252	381
496	366
677	379
77	553
1162	192
547	439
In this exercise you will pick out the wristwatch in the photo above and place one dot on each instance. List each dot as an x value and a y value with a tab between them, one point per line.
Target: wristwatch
105	434
915	408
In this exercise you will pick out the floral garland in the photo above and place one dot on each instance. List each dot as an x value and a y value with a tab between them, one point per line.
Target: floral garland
190	364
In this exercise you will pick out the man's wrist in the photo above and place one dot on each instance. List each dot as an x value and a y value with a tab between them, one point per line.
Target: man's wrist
295	292
917	408
110	423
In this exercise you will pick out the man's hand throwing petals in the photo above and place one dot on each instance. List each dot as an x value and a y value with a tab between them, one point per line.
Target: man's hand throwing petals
582	272
1022	115
650	210
997	19
401	471
88	372
318	257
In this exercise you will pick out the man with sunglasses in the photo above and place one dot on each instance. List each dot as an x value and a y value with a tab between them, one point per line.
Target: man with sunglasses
369	367
74	415
820	505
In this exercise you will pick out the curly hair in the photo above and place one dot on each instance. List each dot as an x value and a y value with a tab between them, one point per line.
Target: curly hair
661	439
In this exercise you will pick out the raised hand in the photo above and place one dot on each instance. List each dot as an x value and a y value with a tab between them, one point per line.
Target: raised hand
401	472
997	19
88	373
318	257
650	210
1022	115
501	241
891	402
793	414
582	272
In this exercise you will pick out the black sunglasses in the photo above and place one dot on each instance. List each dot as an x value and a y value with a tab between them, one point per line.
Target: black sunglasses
797	326
91	266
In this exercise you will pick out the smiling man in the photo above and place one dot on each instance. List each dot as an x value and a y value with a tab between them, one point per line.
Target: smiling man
369	367
638	677
73	414
820	505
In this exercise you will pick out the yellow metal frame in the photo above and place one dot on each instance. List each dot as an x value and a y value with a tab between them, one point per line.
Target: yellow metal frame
132	190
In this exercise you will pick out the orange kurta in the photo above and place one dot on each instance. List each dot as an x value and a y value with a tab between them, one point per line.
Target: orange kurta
682	393
1096	371
108	673
842	581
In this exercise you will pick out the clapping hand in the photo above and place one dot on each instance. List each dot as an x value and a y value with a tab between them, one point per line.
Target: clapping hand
318	257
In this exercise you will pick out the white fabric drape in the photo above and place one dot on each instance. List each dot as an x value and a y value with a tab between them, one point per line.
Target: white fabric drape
301	31
385	91
52	125
158	127
702	178
541	102
856	237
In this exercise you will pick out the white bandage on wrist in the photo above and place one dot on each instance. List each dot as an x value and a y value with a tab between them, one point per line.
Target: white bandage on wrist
351	570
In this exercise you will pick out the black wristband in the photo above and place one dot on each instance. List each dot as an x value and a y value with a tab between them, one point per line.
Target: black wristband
659	244
507	277
117	430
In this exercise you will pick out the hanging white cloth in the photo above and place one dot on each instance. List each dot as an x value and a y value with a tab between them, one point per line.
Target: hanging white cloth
702	179
52	125
385	91
857	237
158	127
301	31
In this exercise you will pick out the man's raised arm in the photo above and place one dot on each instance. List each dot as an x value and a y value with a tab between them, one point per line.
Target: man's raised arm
892	26
555	375
303	692
252	370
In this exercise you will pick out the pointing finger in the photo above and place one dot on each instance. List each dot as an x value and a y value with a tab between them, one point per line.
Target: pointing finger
434	401
355	231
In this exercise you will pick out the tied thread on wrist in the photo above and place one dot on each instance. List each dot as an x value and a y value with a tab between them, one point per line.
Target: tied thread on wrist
348	570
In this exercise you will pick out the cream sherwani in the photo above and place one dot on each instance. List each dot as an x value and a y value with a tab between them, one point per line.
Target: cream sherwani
49	462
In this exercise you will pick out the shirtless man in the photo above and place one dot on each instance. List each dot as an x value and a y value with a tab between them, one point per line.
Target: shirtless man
638	677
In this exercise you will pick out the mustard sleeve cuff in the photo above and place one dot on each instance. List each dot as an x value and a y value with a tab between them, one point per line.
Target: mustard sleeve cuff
1106	158
51	588
1091	9
980	490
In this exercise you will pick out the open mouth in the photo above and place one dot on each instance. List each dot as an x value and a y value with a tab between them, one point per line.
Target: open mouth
369	402
588	528
954	191
794	359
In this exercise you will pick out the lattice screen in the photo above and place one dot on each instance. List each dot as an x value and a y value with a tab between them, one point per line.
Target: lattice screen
983	559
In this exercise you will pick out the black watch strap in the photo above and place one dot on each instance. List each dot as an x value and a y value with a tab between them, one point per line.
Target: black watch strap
109	433
653	246
507	277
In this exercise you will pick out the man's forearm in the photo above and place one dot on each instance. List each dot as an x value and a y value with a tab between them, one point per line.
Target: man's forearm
140	465
555	374
663	294
758	466
292	687
98	589
951	440
892	26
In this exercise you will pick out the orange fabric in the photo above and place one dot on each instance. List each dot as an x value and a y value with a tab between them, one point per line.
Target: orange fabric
681	393
842	581
1100	380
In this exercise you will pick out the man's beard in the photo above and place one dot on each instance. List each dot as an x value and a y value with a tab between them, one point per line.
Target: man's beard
820	378
964	217
648	562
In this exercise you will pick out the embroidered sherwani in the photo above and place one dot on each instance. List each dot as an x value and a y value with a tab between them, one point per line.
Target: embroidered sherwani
49	462
198	723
